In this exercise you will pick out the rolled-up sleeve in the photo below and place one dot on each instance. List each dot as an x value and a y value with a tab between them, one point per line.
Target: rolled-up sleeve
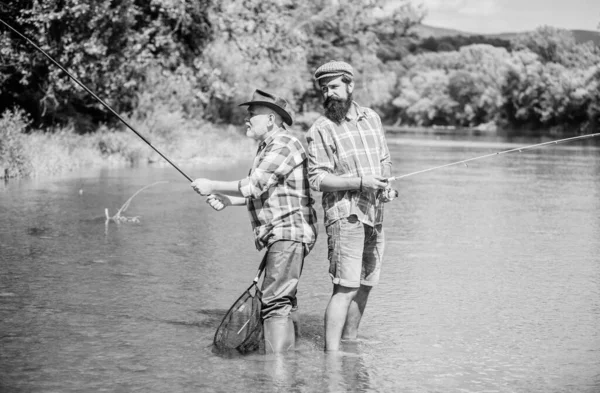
320	157
277	162
386	159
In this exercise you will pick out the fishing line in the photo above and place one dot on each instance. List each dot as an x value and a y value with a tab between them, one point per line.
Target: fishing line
517	149
96	97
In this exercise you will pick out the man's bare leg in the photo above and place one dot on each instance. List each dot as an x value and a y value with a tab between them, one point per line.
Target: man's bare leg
355	313
336	314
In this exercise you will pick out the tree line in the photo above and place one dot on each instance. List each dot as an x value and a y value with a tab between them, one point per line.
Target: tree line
202	57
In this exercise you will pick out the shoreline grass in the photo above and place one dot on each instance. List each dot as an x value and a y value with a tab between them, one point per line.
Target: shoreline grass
56	152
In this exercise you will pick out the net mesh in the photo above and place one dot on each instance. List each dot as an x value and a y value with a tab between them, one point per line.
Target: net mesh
241	329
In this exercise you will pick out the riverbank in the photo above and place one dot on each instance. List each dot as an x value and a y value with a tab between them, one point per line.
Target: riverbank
25	153
50	153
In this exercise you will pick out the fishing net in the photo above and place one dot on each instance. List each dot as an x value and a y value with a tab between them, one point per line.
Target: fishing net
241	329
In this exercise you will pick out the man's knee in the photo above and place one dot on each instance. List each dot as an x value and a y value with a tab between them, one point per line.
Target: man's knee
345	292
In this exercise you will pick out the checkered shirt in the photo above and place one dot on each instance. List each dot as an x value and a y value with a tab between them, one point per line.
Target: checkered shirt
278	193
356	147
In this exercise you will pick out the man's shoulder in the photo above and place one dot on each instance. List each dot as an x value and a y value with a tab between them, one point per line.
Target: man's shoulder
369	112
321	123
287	139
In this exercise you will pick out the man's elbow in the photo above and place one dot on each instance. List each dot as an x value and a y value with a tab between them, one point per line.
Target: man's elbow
314	181
314	184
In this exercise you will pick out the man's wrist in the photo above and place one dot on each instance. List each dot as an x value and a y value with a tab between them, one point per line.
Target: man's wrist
212	186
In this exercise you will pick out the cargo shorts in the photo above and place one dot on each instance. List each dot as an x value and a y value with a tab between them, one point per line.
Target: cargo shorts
355	252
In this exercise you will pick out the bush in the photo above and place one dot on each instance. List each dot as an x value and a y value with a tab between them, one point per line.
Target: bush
13	158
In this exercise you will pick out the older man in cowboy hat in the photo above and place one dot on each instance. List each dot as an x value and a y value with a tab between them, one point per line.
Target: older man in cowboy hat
349	162
277	195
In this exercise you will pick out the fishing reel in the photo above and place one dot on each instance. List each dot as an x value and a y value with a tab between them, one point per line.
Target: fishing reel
388	194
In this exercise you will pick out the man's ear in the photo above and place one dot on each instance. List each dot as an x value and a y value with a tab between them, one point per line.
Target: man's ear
351	87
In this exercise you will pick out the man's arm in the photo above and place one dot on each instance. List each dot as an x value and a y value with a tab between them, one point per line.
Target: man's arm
278	161
321	166
230	188
220	202
368	183
320	157
280	158
386	159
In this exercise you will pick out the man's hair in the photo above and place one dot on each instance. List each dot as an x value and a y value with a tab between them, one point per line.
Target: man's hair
345	78
270	111
277	116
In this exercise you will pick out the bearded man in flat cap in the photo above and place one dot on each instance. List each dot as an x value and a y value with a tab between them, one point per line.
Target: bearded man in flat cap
277	194
349	162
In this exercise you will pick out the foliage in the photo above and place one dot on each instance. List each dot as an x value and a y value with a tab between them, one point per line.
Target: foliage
454	43
63	150
171	65
593	87
479	84
107	44
452	88
555	45
13	159
277	45
352	31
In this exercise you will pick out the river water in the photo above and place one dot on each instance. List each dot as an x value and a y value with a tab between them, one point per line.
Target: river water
491	281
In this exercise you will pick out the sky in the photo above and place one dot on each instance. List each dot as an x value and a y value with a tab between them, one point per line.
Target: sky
501	16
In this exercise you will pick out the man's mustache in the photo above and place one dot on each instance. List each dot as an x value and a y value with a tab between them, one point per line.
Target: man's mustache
332	99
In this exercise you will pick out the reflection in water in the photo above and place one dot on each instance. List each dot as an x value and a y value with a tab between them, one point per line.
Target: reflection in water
337	372
491	282
344	371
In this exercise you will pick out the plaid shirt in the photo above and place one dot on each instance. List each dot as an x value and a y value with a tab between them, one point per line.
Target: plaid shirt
278	193
356	147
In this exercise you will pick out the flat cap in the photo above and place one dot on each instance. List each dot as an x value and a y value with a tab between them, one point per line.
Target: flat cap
334	68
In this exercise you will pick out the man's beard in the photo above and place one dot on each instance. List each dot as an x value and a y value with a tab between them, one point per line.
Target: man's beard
336	109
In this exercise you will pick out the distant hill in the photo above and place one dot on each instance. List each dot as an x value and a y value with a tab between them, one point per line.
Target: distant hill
587	35
424	31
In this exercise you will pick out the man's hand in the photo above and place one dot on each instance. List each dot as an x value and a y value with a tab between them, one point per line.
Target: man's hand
218	201
203	186
373	183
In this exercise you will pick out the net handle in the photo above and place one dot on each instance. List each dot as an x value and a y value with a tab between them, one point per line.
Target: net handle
261	268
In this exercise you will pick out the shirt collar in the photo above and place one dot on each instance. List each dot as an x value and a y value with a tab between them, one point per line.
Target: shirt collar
361	113
269	138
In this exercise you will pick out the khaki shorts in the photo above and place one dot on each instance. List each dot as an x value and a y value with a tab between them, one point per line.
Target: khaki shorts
355	252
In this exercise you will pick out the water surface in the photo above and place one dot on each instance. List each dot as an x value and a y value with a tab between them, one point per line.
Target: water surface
491	281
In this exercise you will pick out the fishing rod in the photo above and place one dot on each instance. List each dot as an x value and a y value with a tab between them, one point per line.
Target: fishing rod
96	97
516	149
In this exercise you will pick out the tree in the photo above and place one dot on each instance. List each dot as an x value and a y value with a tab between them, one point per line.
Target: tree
107	44
277	44
558	46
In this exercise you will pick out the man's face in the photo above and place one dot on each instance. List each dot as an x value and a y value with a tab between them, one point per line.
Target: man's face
258	120
336	89
337	98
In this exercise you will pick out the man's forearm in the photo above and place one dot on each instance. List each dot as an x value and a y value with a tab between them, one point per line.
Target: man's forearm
337	183
229	188
236	201
387	169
